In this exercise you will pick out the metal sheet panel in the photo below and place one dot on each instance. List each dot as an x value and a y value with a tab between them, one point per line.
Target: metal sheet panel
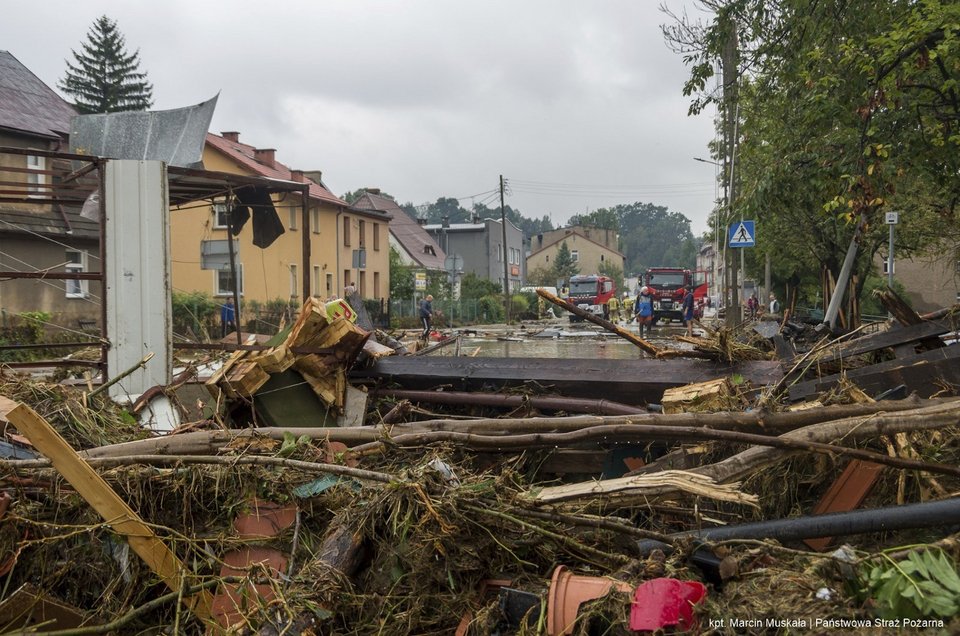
175	136
138	274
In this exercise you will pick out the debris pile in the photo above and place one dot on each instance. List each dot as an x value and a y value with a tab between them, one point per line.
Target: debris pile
493	506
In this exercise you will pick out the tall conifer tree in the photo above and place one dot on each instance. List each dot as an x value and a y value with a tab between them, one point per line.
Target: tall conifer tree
104	77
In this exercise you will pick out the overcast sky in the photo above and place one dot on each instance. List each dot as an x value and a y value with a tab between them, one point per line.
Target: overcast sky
577	104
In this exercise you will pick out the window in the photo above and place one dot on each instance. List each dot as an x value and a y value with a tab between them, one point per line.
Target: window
363	284
76	262
499	253
224	285
346	277
376	283
315	283
329	285
886	266
376	238
315	221
575	255
293	281
601	258
346	231
220	216
548	258
35	178
294	213
362	233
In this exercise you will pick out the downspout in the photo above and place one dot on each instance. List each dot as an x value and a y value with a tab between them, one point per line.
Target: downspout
337	250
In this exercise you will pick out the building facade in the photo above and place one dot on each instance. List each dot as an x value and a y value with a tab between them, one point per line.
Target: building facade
37	232
480	248
347	246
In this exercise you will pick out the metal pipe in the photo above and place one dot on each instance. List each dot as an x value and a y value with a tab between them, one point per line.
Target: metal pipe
930	514
578	405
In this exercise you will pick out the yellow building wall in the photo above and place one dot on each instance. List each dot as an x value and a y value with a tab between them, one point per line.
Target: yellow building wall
268	274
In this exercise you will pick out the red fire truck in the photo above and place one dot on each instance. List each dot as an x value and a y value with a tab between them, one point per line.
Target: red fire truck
668	285
591	292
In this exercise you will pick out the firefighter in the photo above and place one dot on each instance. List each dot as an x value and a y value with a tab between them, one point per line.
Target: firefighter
613	309
627	307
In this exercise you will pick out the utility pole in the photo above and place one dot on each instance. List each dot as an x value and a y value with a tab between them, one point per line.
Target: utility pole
729	65
506	263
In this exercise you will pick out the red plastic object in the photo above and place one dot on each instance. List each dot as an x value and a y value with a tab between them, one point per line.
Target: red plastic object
661	603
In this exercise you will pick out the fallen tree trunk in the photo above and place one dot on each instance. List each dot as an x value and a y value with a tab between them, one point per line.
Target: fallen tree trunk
604	435
558	403
742	464
209	442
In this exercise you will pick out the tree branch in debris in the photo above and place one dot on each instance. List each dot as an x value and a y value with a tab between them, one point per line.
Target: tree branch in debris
219	460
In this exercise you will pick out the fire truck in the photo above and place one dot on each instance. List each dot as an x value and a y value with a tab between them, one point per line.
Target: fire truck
591	292
668	286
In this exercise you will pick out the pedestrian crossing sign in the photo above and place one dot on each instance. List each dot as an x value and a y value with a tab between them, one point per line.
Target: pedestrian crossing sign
742	234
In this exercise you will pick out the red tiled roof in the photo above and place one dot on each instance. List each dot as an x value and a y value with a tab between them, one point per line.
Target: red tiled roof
243	155
410	234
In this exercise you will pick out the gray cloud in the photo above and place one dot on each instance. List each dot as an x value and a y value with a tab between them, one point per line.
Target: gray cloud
424	99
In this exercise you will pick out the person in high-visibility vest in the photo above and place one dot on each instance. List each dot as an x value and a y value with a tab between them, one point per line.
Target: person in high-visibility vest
628	307
613	305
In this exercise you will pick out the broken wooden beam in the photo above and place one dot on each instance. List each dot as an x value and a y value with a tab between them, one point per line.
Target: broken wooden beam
926	374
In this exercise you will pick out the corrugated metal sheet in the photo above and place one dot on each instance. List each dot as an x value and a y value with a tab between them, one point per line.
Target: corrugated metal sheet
173	136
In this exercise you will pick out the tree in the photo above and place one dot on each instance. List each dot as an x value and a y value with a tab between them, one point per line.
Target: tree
472	287
351	197
564	266
846	110
105	78
401	276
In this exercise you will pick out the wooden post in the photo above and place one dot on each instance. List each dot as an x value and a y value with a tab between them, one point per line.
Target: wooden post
98	493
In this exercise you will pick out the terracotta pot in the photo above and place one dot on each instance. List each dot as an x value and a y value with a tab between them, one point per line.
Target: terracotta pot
568	591
265	519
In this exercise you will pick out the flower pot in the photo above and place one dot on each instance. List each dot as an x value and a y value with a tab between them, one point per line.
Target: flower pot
265	519
568	591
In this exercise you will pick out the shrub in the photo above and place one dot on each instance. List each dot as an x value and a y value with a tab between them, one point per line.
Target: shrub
490	309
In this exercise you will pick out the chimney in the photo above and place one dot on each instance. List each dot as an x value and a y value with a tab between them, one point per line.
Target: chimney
266	156
297	175
314	175
231	136
373	190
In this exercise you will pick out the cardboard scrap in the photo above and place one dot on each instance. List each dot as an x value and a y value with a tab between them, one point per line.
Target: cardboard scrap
317	327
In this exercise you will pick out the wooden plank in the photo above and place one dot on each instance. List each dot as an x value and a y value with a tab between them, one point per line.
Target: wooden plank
102	498
922	374
637	381
883	340
846	494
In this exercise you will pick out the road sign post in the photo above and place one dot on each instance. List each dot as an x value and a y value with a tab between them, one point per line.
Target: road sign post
892	218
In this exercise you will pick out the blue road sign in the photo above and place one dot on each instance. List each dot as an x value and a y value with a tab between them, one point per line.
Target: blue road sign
743	234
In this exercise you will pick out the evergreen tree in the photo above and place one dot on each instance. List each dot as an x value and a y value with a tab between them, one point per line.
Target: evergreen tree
105	79
564	266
